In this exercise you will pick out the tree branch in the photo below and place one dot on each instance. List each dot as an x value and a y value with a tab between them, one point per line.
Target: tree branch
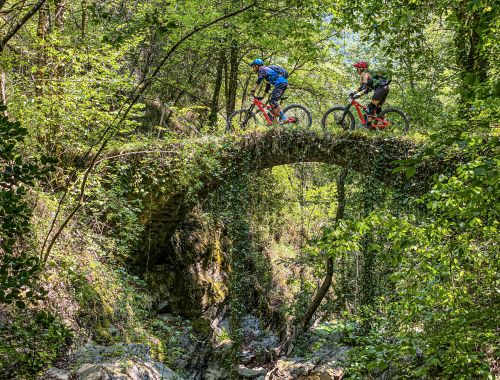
20	24
132	154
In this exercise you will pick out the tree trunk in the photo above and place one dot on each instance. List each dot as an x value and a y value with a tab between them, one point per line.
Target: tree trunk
84	17
41	32
323	289
214	105
59	16
43	21
245	89
3	94
232	79
60	7
470	57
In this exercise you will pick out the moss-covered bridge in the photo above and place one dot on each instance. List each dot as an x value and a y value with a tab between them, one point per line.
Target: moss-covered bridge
369	154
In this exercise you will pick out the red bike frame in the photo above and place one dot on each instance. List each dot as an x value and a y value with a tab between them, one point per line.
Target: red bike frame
263	107
377	122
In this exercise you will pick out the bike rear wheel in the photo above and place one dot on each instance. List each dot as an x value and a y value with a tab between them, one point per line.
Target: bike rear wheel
298	115
398	121
241	119
337	118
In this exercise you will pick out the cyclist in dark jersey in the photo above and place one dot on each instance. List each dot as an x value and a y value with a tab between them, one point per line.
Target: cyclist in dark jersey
380	86
275	78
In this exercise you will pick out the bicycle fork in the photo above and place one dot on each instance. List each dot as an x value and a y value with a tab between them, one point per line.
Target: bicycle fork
248	115
344	114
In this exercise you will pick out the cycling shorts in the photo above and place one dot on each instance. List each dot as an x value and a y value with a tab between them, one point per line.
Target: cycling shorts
380	94
277	94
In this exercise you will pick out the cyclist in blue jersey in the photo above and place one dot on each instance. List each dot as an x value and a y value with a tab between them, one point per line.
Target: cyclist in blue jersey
275	76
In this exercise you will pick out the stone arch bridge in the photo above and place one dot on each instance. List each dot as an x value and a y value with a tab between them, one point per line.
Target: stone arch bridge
369	154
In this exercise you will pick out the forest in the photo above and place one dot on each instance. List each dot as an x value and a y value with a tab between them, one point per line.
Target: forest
160	219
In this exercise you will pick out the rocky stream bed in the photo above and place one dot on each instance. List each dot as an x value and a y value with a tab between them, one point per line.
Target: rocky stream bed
260	359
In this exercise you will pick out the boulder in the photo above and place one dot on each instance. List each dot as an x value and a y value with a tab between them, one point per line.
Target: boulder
120	362
250	373
300	369
247	356
215	372
56	374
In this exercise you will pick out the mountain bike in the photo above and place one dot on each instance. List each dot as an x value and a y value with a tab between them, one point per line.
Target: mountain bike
247	118
391	119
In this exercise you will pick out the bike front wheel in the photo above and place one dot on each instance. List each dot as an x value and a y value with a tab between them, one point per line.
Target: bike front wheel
336	118
298	115
241	120
397	120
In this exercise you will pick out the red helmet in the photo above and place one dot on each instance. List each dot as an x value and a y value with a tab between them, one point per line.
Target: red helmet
361	64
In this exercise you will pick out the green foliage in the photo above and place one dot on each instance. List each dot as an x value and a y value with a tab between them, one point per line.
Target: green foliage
18	265
171	336
414	282
435	318
30	342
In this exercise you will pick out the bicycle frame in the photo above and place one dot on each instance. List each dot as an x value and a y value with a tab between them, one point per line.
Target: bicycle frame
379	123
262	108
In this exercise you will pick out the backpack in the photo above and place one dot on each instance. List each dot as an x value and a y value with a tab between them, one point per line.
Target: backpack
381	76
280	70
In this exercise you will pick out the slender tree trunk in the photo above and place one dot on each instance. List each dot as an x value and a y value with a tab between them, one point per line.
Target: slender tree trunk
41	32
60	8
470	57
214	105
84	17
368	276
3	94
43	21
59	15
245	89
323	289
232	80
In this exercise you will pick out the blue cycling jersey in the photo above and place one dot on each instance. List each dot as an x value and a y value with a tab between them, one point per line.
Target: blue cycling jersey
271	76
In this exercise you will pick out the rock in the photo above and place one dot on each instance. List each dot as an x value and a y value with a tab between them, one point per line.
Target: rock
220	326
215	373
263	347
328	373
120	362
298	368
269	340
291	368
223	349
120	369
163	306
251	327
250	373
92	353
56	374
247	356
